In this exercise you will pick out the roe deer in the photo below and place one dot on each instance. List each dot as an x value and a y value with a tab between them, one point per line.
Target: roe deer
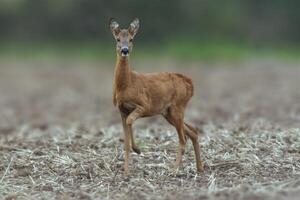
139	95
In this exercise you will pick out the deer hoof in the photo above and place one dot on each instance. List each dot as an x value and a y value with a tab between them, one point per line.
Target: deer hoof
136	150
200	168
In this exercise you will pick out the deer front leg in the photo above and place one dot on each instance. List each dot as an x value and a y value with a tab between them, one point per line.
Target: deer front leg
126	144
133	145
135	114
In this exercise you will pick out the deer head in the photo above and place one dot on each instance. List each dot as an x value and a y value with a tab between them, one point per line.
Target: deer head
124	37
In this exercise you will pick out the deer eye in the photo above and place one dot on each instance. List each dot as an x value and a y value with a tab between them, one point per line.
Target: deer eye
130	40
118	39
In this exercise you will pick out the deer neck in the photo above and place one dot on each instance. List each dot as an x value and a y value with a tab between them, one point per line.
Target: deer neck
122	73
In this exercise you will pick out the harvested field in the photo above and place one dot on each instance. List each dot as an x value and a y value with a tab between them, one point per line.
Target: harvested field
61	137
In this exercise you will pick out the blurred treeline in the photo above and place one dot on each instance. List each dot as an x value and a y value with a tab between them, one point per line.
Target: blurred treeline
253	21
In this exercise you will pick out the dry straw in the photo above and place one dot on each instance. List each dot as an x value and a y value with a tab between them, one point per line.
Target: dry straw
88	165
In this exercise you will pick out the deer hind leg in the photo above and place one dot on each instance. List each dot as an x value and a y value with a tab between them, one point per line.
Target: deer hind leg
182	142
193	135
175	118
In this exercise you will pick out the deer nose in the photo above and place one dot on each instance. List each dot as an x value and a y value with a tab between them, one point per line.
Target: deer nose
125	50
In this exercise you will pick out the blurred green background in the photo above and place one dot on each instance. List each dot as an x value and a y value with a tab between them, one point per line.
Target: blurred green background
189	29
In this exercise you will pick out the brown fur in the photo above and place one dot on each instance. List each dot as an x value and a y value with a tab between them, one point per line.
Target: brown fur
141	95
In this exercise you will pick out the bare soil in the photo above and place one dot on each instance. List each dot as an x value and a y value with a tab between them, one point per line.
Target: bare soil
61	137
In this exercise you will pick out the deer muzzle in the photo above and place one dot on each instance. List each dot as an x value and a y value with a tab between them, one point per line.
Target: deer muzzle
125	51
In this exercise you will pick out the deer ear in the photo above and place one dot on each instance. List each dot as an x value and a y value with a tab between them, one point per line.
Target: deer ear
134	26
114	27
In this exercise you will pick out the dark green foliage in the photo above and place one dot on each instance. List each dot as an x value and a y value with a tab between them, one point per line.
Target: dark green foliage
256	21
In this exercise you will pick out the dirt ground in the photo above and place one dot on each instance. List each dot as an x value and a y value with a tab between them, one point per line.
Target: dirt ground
61	137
